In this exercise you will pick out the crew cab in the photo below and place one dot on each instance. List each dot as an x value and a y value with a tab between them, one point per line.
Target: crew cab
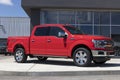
59	40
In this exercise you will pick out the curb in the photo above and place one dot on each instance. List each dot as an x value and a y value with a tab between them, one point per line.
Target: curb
68	73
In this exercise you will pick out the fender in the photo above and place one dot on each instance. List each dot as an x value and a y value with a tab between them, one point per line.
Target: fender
22	44
80	42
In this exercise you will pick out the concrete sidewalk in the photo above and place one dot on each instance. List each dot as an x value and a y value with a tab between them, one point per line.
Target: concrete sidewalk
56	66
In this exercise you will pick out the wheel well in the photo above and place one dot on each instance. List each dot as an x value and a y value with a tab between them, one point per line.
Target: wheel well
80	46
18	46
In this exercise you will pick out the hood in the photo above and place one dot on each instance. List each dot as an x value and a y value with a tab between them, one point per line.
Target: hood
90	37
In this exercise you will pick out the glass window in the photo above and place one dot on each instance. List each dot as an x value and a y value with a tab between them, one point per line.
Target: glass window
54	31
42	31
48	17
101	17
115	18
97	30
102	30
73	30
67	17
86	29
84	17
84	20
115	29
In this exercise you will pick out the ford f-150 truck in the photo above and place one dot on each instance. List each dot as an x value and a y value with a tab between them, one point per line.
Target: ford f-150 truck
59	40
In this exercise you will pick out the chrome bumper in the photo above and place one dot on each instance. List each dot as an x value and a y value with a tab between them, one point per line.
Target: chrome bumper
101	53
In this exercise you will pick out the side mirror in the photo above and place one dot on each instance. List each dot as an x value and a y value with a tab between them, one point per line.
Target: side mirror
62	34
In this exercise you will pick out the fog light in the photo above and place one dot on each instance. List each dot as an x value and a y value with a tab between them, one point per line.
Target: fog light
100	53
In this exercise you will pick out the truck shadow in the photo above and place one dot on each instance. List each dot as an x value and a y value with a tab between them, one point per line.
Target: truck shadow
106	65
71	63
52	62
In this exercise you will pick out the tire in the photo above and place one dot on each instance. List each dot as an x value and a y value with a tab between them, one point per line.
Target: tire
20	55
40	58
100	62
82	57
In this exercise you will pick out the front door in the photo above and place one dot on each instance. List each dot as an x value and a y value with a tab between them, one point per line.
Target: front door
56	45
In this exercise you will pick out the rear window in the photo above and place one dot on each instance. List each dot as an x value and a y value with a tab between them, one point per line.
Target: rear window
42	31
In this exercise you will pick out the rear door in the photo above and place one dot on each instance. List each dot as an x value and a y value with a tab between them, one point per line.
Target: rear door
38	41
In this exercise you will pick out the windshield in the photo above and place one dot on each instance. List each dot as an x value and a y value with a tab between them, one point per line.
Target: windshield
73	30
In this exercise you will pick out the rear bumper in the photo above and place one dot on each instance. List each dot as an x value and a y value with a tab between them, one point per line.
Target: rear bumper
102	53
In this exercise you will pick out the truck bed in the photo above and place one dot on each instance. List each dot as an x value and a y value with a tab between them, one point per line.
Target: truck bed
22	40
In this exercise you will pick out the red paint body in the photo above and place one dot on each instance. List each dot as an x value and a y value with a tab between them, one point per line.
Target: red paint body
40	45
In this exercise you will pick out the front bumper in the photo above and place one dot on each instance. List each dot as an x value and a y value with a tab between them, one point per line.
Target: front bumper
102	53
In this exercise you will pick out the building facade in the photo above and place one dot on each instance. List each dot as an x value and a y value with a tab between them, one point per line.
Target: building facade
14	26
97	17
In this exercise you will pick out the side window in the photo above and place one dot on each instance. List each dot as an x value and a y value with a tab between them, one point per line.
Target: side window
54	31
42	31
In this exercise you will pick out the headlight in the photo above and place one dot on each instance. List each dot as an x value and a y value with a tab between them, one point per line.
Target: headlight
99	43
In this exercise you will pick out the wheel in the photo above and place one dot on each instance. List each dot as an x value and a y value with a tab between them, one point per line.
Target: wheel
40	58
100	62
82	57
20	55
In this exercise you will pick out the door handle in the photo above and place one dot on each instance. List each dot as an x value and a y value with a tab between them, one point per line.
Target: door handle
33	40
48	40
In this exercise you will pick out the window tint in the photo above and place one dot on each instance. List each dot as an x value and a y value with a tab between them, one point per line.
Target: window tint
42	31
54	31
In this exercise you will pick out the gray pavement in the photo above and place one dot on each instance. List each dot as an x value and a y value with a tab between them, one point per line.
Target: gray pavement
91	77
55	67
2	56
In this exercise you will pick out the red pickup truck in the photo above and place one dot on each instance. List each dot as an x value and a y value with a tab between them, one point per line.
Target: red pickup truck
58	40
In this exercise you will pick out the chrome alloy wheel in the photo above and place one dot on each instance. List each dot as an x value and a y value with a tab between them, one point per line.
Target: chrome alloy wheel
81	57
19	55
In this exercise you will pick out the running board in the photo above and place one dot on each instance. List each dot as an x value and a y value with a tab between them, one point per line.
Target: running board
49	56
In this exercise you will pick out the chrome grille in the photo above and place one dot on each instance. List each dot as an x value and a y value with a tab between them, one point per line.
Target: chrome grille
109	48
109	45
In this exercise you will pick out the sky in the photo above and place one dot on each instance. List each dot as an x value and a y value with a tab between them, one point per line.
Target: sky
11	8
